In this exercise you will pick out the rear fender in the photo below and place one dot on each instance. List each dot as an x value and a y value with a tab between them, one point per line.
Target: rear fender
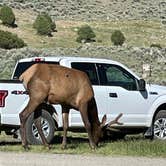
45	106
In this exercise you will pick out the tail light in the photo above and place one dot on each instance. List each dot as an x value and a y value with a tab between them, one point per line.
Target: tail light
38	59
3	95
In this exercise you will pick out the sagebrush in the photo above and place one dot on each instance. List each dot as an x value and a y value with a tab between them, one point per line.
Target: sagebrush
85	34
9	40
44	25
118	38
7	16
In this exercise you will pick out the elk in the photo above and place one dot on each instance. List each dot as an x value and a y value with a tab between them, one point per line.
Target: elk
71	88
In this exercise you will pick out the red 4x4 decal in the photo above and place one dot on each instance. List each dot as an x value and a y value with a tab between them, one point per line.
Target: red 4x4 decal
3	95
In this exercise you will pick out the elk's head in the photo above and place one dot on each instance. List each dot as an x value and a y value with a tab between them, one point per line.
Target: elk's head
98	130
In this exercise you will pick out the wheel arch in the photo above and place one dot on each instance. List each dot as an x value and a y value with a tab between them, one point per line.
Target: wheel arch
155	109
161	107
52	111
158	104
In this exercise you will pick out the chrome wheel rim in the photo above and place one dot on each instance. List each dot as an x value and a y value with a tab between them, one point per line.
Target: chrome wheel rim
160	128
45	128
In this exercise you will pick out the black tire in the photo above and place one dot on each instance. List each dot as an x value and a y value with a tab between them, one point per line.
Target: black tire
48	126
159	125
113	135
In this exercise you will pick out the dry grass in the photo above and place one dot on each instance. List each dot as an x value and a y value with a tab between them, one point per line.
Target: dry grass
138	33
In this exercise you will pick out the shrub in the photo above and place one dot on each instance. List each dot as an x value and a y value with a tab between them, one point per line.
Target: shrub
156	46
53	25
9	40
86	34
44	24
117	38
7	16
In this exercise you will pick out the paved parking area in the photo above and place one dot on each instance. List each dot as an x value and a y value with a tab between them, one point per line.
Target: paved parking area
37	159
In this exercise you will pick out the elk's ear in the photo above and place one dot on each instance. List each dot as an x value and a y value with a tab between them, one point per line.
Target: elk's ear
104	119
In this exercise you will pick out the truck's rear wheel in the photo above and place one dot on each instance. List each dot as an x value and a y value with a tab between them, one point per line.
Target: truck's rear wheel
159	125
48	126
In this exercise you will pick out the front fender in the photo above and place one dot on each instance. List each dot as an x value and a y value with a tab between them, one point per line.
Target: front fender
152	111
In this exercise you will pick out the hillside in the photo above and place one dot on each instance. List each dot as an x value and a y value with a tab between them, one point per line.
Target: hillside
104	16
139	33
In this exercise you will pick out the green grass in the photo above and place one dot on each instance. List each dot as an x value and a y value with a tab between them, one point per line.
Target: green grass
78	144
137	32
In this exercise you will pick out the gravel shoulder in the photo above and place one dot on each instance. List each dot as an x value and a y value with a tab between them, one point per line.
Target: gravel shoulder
37	159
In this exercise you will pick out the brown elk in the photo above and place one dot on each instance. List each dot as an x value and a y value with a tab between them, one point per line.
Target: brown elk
60	85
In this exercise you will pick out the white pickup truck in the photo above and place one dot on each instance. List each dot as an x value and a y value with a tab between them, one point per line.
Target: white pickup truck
117	90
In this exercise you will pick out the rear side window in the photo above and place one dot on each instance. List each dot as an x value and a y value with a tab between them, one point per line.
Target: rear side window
21	67
89	69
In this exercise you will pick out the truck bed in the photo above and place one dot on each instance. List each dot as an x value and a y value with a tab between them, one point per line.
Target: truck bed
11	81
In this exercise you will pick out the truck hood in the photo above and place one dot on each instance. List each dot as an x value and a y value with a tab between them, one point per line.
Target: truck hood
160	90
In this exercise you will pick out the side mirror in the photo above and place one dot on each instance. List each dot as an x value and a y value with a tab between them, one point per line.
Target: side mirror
141	85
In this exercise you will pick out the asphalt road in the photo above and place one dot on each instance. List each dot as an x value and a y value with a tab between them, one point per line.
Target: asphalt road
34	159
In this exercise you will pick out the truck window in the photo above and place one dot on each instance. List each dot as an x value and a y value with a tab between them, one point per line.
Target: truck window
89	69
113	75
22	66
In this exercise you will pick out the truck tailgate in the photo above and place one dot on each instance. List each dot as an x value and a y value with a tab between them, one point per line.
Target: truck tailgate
13	99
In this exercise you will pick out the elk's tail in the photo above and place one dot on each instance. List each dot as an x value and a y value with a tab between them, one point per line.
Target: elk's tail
21	78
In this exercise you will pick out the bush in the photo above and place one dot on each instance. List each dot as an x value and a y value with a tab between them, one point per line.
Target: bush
53	25
44	24
86	34
7	16
117	38
9	40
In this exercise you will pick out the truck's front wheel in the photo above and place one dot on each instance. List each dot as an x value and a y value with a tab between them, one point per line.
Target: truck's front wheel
159	126
48	127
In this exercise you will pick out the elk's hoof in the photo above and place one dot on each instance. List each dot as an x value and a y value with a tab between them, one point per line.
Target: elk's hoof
93	147
49	147
63	147
26	147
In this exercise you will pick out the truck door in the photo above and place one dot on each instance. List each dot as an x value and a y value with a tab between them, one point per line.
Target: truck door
123	96
99	91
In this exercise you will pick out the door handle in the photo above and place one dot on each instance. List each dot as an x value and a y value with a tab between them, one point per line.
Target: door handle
114	95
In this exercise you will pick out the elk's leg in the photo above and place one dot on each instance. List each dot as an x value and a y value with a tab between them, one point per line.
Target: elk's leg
32	105
84	114
39	128
65	119
22	129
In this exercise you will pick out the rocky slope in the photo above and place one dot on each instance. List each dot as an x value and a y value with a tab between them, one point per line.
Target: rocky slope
133	57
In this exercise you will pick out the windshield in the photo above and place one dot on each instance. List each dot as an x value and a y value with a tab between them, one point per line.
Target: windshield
22	66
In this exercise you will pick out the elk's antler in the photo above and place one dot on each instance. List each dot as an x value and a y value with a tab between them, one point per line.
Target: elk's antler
115	121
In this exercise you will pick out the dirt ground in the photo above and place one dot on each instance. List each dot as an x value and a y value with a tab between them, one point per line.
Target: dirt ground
34	159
